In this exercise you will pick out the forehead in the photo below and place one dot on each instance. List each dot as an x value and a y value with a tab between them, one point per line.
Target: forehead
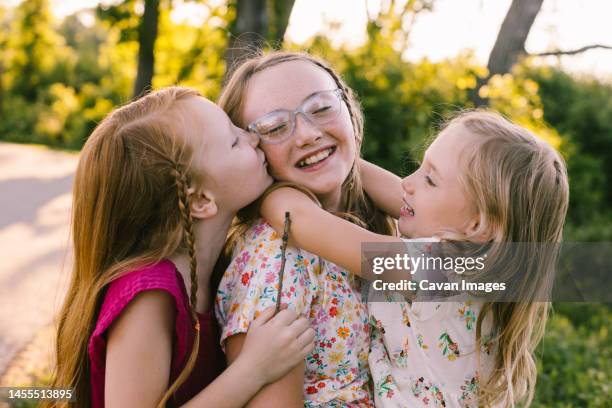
204	120
283	86
449	145
203	112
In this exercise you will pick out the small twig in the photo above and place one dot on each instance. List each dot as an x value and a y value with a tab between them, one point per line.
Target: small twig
283	260
571	52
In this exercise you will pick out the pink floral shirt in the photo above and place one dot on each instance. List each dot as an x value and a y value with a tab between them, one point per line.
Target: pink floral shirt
336	373
424	354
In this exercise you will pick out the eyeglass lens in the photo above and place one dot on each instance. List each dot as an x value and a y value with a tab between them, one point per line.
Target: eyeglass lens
319	109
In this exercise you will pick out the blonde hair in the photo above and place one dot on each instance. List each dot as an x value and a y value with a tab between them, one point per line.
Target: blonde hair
355	204
519	186
130	209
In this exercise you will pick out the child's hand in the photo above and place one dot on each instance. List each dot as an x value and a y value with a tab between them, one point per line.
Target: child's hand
275	344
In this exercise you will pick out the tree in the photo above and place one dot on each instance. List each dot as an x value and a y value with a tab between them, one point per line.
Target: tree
280	11
257	22
510	42
147	34
143	29
32	38
3	41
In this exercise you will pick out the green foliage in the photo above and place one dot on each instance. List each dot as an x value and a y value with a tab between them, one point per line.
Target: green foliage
31	66
575	358
581	109
192	56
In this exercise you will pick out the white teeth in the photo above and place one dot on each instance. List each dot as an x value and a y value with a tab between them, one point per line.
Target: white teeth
409	209
315	158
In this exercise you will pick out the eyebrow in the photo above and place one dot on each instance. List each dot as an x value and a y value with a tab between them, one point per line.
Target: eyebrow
433	167
298	106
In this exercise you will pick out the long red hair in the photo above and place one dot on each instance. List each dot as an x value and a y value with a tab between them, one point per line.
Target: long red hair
130	208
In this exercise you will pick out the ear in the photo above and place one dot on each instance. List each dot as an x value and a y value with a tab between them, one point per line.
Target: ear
201	204
473	230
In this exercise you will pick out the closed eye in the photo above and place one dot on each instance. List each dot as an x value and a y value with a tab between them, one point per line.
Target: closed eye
274	129
235	143
320	110
429	181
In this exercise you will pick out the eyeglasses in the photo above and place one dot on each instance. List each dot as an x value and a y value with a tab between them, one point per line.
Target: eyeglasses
318	109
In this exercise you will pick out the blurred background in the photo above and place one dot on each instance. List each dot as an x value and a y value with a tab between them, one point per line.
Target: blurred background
64	64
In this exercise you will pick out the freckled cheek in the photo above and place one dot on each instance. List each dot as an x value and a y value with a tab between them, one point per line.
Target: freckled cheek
279	162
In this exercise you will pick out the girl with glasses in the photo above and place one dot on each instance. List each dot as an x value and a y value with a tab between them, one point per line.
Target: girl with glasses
311	130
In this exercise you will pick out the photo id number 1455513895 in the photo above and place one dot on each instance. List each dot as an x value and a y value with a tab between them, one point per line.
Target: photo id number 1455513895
15	394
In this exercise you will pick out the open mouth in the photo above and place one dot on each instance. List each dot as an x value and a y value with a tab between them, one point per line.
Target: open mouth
316	158
407	210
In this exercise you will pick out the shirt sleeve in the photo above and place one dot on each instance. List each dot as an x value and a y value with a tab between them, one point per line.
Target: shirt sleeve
250	283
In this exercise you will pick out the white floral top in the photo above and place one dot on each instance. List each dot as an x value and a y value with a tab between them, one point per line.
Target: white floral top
423	353
336	373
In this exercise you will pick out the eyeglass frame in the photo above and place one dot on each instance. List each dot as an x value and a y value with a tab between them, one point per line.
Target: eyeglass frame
293	116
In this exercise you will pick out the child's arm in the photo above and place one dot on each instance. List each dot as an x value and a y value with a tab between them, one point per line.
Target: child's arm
318	231
139	355
262	371
383	187
286	392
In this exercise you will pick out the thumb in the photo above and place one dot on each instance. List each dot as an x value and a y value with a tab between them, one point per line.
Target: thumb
266	315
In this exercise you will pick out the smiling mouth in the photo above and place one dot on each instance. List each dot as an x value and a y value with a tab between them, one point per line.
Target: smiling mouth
316	158
407	210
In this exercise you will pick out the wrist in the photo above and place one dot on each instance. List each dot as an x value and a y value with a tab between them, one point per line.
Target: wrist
252	374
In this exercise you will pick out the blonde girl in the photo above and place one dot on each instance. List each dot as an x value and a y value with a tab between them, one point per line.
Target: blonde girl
483	179
318	130
157	185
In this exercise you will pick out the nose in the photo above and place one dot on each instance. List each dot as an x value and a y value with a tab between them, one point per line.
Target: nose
252	138
305	132
407	184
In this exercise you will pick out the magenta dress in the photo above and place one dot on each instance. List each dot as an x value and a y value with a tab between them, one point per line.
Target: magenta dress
162	276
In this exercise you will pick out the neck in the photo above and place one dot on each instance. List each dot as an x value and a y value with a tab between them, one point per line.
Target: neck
210	235
331	201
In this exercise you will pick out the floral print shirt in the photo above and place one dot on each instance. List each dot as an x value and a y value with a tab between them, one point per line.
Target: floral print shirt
423	354
336	373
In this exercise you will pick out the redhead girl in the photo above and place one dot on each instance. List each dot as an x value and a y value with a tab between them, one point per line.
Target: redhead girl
311	129
483	179
156	188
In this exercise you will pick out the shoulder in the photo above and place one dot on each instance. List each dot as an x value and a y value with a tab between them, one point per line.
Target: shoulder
261	232
152	283
251	282
161	275
136	322
260	250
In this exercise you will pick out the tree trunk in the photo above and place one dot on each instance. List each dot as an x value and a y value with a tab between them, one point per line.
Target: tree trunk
258	23
280	11
510	43
249	31
147	34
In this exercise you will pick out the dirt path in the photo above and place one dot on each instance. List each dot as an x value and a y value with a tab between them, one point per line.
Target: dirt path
35	194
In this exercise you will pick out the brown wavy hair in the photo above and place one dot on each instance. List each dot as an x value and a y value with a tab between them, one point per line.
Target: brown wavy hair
356	206
519	186
130	209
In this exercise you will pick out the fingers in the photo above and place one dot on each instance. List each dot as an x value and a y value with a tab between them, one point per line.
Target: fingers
306	339
266	315
308	349
285	317
299	326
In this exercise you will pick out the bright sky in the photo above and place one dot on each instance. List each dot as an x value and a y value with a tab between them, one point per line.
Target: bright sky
454	25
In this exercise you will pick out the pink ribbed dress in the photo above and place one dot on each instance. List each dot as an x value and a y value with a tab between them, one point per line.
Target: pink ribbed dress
162	276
